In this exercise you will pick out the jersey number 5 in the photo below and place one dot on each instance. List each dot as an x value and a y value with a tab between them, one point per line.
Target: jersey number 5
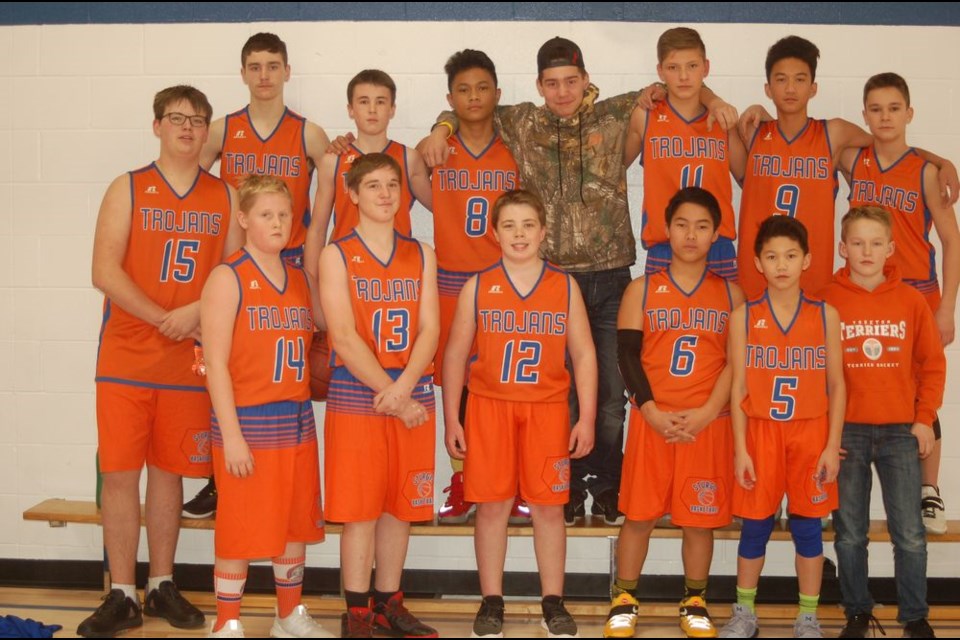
783	401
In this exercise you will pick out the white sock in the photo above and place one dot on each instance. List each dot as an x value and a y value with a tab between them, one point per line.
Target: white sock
129	590
155	582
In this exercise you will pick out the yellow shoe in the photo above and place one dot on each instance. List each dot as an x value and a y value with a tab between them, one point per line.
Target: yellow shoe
695	622
622	619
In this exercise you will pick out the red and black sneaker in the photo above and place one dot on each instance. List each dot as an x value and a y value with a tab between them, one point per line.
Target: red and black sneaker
393	619
357	622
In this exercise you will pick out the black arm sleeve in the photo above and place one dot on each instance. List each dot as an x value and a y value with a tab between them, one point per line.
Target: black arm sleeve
629	344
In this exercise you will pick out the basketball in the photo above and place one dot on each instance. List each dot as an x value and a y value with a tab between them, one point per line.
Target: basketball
319	367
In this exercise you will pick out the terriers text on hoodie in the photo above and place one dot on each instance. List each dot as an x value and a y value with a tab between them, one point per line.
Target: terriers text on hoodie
893	362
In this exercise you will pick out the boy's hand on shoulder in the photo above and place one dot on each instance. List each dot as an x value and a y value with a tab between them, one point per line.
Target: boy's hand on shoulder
829	464
722	113
751	119
743	471
925	438
434	148
581	439
949	183
456	441
649	96
946	324
341	144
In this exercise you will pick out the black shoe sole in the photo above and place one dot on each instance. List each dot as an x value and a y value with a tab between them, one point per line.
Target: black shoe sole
130	624
175	623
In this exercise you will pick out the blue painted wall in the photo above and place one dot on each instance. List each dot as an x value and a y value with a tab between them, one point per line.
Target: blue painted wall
853	13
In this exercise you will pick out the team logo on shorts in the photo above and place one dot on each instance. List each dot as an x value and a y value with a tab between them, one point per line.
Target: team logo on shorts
706	492
557	474
820	494
421	489
196	446
872	348
705	497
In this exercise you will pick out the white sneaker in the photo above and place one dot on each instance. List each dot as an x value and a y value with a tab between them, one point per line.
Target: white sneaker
931	505
232	629
299	624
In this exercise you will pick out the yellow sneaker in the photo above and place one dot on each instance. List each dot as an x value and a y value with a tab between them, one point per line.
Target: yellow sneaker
622	619
695	622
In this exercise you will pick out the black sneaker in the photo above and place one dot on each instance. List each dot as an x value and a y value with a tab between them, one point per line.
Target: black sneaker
118	612
575	509
489	620
557	620
859	624
918	629
166	602
605	504
204	504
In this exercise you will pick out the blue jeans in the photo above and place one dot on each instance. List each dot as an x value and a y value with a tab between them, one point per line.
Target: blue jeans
894	451
600	471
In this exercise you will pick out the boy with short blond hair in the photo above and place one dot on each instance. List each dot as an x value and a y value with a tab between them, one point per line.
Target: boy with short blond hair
890	341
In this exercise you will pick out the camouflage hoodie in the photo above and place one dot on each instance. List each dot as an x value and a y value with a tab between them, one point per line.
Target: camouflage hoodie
576	166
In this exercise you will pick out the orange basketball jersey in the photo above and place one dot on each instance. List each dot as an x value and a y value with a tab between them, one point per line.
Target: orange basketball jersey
899	190
271	335
685	338
283	153
346	215
786	366
175	242
464	191
385	297
793	178
678	153
521	340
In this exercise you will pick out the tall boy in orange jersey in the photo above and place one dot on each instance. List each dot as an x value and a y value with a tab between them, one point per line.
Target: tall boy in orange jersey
892	175
890	342
524	315
787	400
266	137
257	326
479	170
379	292
681	150
792	163
371	103
672	338
160	232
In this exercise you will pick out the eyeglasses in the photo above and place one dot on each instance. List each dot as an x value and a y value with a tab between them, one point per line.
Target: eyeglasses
177	119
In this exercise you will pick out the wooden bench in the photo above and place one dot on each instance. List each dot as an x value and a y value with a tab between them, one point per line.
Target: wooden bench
59	513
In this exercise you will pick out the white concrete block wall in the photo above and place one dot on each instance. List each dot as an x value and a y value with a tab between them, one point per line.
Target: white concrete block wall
77	113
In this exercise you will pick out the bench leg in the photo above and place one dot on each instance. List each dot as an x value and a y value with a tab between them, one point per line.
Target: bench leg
612	540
